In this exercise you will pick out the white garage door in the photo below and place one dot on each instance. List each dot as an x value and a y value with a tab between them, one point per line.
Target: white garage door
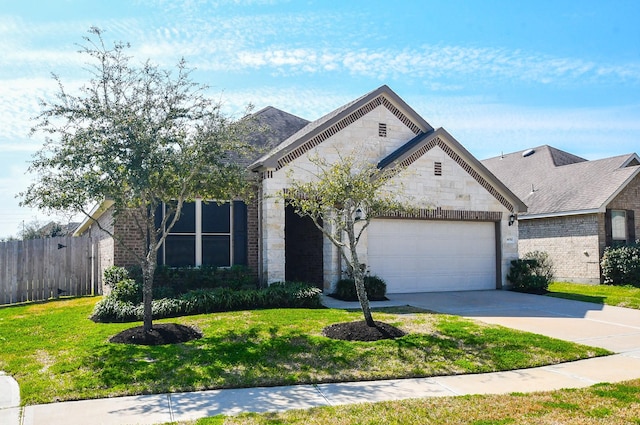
430	256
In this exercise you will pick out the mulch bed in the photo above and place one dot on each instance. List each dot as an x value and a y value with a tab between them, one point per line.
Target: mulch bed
161	334
360	331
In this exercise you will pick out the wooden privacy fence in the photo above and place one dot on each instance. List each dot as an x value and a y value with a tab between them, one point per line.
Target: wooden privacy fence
40	269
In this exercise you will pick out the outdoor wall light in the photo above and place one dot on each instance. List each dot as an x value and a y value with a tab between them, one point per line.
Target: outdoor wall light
512	219
358	215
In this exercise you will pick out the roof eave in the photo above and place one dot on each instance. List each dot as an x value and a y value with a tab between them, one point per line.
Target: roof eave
559	214
95	213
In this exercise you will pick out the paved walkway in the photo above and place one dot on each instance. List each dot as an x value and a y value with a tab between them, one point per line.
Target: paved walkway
614	328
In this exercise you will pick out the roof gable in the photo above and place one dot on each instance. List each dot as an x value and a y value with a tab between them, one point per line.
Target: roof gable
424	142
318	131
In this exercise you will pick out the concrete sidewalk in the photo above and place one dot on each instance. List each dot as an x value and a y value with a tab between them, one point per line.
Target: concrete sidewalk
612	328
157	409
9	400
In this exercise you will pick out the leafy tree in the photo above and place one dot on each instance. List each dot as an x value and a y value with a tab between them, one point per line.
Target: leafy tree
139	136
342	198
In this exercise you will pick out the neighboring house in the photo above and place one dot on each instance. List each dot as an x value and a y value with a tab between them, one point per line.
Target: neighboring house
576	207
461	237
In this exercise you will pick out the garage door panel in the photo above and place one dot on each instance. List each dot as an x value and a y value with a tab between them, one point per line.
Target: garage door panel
420	255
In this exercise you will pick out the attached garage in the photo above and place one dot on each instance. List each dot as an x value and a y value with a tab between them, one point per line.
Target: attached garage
429	256
460	232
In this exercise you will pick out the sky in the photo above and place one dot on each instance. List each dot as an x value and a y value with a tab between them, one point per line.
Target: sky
500	76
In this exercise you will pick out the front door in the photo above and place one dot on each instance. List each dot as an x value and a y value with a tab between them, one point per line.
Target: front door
303	249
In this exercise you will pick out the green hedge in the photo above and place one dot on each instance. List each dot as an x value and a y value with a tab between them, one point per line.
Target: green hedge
199	301
171	282
375	286
621	265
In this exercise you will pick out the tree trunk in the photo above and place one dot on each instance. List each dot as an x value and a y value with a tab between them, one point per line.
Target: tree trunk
358	277
358	274
148	270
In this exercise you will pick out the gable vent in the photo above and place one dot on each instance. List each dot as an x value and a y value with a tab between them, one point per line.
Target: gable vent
382	129
437	168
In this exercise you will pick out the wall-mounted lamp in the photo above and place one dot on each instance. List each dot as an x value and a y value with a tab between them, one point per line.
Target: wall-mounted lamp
358	215
512	219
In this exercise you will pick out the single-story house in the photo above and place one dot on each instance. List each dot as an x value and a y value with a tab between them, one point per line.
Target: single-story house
576	207
462	235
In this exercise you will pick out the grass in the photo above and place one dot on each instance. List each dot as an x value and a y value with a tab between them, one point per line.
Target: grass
621	296
56	353
601	404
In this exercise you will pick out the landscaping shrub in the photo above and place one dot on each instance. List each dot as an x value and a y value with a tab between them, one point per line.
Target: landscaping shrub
375	286
127	290
621	265
532	273
200	301
114	274
172	281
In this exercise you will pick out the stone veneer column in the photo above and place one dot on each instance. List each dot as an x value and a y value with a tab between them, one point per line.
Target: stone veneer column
332	264
273	253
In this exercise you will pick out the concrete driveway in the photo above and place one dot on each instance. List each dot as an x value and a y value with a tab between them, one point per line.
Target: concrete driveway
614	328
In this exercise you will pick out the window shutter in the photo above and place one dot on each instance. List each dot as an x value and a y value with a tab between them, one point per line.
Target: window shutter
239	233
631	227
607	228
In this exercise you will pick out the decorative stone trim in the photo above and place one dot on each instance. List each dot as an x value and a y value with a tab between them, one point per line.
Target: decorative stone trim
450	215
345	122
464	164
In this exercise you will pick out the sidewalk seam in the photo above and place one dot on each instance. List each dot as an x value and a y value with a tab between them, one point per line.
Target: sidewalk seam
322	394
170	408
446	387
551	369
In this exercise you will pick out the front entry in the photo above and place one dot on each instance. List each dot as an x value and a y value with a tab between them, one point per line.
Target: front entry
303	249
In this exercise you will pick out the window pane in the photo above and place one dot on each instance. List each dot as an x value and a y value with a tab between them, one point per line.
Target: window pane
187	221
619	225
215	218
180	251
216	251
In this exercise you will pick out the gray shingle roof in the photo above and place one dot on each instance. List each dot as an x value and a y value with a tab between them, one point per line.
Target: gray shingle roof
274	126
551	181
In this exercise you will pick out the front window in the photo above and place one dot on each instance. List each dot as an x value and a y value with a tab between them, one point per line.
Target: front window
619	226
207	233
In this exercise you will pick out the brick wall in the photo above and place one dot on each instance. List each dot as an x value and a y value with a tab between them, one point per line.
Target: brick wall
253	236
572	243
131	240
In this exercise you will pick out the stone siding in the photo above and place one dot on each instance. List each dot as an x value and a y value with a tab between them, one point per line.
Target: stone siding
572	243
455	189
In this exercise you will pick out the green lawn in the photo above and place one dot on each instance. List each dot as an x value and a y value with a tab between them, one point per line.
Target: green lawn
600	404
622	296
56	353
